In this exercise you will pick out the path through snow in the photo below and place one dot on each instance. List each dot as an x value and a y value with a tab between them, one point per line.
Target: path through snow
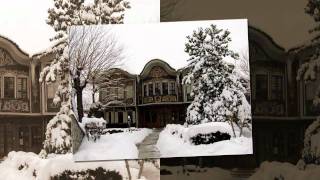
147	148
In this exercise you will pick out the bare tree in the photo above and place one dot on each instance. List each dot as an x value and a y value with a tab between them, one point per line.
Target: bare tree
92	50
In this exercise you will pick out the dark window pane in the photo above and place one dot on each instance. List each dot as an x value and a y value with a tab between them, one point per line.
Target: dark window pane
276	87
150	89
109	113
36	136
9	87
157	89
165	88
172	88
120	117
261	87
145	90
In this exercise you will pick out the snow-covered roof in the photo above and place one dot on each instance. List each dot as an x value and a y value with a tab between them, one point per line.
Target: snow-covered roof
269	46
15	51
122	71
157	62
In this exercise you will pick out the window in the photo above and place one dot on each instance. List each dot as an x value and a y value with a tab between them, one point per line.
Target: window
157	89
9	87
151	89
261	87
36	136
145	90
52	88
172	88
110	116
120	117
276	87
22	88
165	88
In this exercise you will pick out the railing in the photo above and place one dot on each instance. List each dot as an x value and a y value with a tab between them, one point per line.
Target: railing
267	108
158	99
14	105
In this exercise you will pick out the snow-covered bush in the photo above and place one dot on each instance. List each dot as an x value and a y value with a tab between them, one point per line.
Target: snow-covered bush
93	127
93	122
88	174
209	138
218	93
206	133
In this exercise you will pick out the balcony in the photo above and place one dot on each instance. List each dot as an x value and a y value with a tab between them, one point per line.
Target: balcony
268	108
159	99
14	105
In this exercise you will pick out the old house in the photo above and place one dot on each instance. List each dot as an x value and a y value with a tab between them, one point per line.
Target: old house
25	104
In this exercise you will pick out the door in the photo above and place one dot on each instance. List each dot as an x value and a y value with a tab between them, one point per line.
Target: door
24	136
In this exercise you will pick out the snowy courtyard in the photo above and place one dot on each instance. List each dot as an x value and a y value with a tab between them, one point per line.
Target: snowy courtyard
173	141
113	144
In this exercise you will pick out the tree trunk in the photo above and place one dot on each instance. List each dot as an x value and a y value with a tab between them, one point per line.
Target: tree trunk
128	169
79	104
231	122
93	90
79	88
141	162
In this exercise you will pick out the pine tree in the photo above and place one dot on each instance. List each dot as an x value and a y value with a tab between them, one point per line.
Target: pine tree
218	94
67	13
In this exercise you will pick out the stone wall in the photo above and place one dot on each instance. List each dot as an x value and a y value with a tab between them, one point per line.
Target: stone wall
77	135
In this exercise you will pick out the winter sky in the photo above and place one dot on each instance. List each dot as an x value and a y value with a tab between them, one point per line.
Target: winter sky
166	41
24	22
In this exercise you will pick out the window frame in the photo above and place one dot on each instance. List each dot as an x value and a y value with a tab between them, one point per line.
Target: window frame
267	87
281	90
27	87
174	86
162	92
15	86
150	89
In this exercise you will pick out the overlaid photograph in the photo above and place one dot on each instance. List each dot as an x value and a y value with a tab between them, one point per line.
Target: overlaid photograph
161	90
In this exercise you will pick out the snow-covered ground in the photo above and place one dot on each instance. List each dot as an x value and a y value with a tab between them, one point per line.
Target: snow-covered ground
112	146
11	167
191	172
284	171
174	141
